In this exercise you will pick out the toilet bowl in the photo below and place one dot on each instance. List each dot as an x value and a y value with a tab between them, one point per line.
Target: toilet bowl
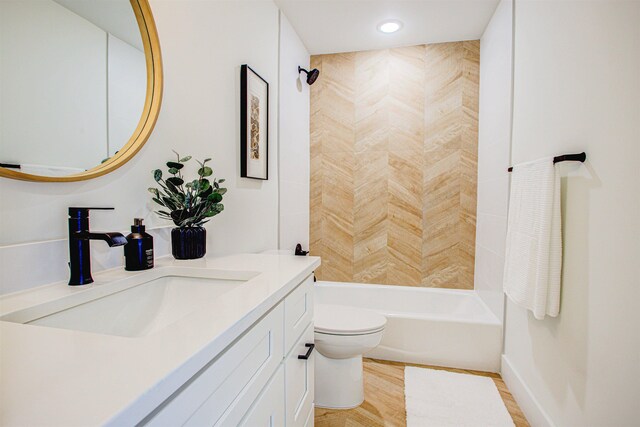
342	335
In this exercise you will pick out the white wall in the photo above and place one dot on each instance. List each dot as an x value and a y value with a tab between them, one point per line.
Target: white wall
52	67
203	46
127	90
294	139
577	87
494	140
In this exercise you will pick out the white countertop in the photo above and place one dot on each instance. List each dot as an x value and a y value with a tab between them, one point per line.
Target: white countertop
63	377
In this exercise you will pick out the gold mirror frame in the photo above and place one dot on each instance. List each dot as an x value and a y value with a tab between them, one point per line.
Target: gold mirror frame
150	112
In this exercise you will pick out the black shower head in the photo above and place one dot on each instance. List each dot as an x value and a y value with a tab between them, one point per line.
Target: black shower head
312	75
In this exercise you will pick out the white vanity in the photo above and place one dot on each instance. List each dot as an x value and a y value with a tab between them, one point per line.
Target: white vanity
219	341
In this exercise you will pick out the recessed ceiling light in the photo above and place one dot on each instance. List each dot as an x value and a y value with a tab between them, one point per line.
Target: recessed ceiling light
389	26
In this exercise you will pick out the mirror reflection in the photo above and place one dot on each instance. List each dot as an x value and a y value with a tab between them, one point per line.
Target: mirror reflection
73	83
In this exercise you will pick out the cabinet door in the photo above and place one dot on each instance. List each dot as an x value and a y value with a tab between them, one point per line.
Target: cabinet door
231	382
268	409
299	381
298	312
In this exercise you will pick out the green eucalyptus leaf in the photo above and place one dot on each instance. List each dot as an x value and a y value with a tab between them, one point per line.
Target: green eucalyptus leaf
174	165
169	203
205	194
157	175
158	201
204	185
205	171
185	159
222	191
173	171
172	187
214	197
154	191
175	181
214	210
220	181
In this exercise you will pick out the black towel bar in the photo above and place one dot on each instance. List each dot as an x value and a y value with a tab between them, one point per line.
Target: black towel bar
9	165
578	157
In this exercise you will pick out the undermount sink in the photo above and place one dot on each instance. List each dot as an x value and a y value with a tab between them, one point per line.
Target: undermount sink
136	311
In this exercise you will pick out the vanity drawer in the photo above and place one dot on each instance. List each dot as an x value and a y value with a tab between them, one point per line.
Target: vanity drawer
298	312
299	380
268	409
234	379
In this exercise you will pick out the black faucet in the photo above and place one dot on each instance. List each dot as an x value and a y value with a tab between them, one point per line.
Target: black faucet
79	250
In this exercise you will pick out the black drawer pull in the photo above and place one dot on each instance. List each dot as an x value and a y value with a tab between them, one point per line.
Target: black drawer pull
306	356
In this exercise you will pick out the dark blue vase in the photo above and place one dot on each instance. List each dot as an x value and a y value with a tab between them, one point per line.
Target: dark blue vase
189	242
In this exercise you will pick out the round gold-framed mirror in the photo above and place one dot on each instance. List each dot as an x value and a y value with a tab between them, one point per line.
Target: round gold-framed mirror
150	106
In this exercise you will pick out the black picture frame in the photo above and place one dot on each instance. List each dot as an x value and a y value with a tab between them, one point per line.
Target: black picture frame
249	80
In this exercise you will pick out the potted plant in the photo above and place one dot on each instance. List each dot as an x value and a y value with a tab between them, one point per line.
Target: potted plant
189	205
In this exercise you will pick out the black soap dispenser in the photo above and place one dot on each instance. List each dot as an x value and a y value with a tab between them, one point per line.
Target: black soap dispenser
138	252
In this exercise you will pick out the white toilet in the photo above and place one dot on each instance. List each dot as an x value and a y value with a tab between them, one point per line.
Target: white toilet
342	335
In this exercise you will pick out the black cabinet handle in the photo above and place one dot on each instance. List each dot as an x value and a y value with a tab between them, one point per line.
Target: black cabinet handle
306	356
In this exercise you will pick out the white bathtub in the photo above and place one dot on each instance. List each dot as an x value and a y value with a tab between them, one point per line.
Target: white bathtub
442	327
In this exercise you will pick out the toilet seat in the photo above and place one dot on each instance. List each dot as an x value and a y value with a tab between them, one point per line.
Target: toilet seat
342	320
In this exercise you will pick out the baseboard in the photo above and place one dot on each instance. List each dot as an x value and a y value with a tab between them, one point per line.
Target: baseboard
529	405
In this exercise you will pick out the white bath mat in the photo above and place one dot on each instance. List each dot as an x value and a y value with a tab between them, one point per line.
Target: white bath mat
440	398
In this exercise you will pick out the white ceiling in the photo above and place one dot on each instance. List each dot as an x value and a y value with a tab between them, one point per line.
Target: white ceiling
114	16
331	26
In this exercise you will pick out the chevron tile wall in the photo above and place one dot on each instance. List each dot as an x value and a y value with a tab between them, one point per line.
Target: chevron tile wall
394	137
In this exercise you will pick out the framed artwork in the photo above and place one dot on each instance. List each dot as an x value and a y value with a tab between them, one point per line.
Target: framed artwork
254	125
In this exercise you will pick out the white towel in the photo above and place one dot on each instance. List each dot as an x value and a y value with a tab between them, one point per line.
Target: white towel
533	259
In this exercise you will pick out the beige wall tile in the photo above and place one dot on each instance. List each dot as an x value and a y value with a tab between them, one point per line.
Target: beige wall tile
337	102
406	98
393	165
371	93
370	217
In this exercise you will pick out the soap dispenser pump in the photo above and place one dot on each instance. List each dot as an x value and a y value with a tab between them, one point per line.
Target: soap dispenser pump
138	252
